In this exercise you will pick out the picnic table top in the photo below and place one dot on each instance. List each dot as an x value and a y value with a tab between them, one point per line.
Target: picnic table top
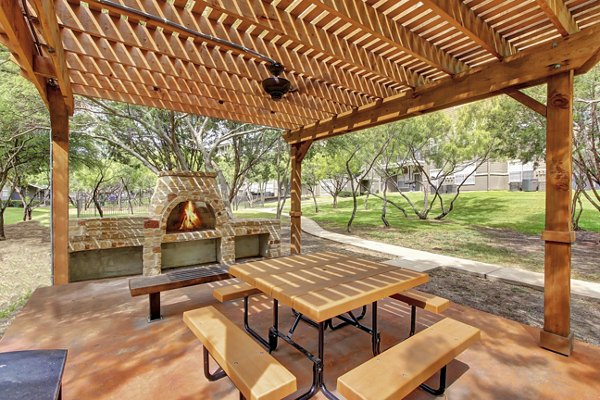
323	285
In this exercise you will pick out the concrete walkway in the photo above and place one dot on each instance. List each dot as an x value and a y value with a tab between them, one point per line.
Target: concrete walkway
424	261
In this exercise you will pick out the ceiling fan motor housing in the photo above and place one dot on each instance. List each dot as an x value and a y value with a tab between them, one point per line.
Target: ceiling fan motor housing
276	86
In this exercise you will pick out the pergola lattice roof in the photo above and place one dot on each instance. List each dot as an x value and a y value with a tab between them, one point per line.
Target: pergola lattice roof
342	56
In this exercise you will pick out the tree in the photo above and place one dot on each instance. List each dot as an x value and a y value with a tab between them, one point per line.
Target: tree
168	140
23	130
586	143
333	168
314	166
362	152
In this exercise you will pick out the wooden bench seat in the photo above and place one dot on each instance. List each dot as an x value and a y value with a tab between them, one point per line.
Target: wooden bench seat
153	285
251	368
404	367
426	301
235	291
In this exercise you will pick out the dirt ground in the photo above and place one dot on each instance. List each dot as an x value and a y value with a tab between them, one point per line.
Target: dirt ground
586	263
25	260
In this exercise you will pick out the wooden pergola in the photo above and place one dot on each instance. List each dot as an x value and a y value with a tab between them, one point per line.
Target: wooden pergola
353	64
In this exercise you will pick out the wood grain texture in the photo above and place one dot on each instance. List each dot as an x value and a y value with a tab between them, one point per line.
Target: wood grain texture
256	374
323	285
177	279
401	369
233	292
59	124
426	301
557	256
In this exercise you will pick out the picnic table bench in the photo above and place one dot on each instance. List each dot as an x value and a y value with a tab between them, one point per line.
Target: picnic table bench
154	285
407	365
256	374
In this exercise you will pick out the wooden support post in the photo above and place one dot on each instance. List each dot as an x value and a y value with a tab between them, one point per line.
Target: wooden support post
59	123
297	153
558	236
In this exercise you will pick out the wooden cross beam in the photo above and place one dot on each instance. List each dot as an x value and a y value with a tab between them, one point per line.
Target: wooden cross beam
521	70
51	32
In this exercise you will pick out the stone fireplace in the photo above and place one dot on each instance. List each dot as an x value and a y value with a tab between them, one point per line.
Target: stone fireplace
187	225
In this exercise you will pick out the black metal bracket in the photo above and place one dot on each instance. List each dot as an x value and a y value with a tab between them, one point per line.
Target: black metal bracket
441	389
219	374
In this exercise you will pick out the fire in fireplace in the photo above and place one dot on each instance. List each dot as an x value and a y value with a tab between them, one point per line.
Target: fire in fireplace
190	216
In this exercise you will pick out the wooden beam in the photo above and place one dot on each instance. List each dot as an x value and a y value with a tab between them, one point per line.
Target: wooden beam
556	335
20	43
297	154
243	93
59	123
87	29
46	14
269	17
43	66
173	95
560	16
589	64
528	101
197	21
524	69
130	98
375	23
462	18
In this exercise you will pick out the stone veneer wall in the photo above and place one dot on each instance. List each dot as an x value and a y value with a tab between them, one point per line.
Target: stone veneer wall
150	233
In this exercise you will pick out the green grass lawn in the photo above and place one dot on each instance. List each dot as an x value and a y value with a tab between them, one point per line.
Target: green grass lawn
484	226
13	215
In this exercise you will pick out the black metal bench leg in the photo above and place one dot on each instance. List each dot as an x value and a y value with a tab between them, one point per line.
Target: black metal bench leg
214	376
439	391
154	307
413	320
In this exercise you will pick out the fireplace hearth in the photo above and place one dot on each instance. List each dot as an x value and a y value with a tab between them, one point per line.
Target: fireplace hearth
190	216
187	225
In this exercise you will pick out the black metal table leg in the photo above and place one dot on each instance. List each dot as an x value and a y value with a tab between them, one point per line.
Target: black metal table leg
274	331
251	331
154	314
211	376
375	337
441	389
413	320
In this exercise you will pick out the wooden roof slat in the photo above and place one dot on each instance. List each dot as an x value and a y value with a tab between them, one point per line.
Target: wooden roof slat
358	13
560	16
164	104
270	18
83	19
17	36
523	69
236	92
181	93
351	63
49	25
465	20
177	13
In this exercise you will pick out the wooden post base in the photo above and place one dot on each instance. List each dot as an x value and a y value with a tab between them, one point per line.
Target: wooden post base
556	343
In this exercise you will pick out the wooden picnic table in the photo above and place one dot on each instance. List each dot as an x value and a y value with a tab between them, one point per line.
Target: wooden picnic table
324	285
321	287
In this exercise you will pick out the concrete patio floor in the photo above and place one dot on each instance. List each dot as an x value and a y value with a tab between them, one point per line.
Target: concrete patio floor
115	354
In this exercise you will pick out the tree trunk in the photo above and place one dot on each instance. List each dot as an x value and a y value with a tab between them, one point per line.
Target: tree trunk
386	224
335	196
2	236
312	192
